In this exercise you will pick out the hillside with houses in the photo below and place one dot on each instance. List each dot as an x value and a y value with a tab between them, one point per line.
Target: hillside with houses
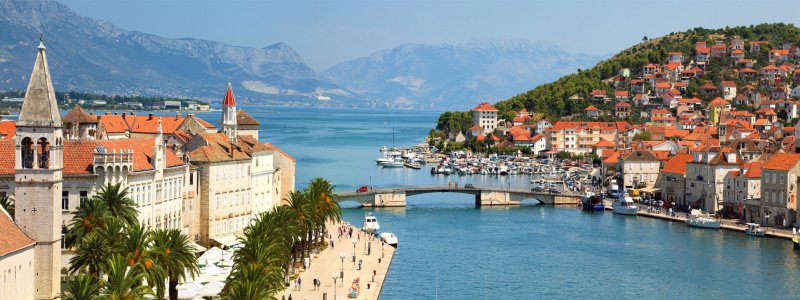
703	118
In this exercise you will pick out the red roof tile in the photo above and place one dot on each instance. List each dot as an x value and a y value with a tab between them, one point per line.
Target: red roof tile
485	106
677	164
13	238
8	129
229	100
782	161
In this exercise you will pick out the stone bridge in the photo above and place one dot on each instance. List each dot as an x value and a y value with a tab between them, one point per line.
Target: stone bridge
396	197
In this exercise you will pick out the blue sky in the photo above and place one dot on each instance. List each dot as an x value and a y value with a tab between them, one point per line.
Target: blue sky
329	32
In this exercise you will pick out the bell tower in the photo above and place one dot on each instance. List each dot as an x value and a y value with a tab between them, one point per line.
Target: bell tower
38	165
228	121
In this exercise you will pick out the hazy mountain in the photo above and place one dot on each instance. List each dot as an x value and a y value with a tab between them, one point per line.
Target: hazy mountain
455	76
92	55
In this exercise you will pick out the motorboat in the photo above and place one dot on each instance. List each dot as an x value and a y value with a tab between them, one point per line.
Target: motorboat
698	219
592	202
383	160
624	205
396	163
754	229
412	165
371	223
389	238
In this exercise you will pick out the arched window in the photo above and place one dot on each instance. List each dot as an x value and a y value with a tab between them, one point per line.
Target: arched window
43	152
27	153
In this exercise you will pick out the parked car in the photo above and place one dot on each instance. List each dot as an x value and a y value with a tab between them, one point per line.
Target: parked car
469	186
362	189
537	189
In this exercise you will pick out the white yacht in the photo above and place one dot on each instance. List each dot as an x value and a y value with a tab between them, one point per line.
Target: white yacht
394	163
383	160
698	219
389	238
625	206
371	223
754	230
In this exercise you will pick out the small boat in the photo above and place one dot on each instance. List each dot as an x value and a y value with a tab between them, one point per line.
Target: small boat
383	160
698	219
389	238
412	165
371	223
393	164
754	230
592	202
625	206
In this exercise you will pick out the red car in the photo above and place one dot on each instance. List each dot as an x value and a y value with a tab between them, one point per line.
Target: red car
362	189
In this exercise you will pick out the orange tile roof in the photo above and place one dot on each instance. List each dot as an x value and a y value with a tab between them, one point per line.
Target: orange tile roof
78	157
782	161
475	127
485	106
242	118
718	102
622	104
142	152
603	143
149	123
7	158
8	129
612	159
591	108
113	123
677	164
13	238
219	148
754	170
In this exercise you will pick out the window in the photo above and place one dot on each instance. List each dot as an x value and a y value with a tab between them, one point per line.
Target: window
64	200
191	178
84	195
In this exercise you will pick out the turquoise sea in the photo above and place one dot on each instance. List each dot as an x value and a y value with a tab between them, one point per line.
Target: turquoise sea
451	250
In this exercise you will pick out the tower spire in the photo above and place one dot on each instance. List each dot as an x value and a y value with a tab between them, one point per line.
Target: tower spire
228	122
39	107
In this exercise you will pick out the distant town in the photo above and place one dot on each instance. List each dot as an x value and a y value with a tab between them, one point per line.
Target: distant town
671	132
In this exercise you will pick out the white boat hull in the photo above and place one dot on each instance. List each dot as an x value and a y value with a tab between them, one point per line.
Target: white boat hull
626	210
703	223
389	238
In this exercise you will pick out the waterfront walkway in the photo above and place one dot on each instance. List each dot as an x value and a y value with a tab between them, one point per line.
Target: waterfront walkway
324	264
726	224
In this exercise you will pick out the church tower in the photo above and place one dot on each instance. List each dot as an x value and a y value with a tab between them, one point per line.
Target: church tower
229	114
38	164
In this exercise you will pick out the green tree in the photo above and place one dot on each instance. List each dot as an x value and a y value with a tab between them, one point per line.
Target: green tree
173	253
81	287
643	136
7	202
91	256
124	280
118	203
91	215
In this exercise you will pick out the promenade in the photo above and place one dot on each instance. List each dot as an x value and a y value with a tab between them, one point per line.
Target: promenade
328	262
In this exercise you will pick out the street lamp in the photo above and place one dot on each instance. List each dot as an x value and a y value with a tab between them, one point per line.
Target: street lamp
342	255
355	241
335	276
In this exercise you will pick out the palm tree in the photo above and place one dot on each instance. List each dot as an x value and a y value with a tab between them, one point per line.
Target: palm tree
81	287
8	204
172	251
118	203
91	255
135	247
253	282
298	203
325	203
123	280
90	216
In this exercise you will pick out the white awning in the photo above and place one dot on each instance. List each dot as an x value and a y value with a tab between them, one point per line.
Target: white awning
650	189
227	240
197	248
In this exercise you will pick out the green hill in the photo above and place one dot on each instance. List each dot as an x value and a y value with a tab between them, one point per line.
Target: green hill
552	100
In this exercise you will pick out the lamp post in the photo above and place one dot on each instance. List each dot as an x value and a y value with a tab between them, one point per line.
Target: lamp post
335	276
342	255
355	241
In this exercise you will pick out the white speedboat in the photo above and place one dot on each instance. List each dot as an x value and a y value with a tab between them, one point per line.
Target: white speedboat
755	230
389	238
371	223
383	160
396	163
625	206
698	219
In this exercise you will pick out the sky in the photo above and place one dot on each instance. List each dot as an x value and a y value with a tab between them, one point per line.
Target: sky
329	32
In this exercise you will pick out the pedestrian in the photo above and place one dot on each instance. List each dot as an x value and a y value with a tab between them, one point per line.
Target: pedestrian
290	296
299	284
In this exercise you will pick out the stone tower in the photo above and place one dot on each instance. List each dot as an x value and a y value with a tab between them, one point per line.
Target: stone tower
38	164
229	114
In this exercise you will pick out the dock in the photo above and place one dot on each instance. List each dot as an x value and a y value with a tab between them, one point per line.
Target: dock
726	224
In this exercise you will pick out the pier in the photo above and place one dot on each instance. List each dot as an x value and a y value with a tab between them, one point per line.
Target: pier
484	196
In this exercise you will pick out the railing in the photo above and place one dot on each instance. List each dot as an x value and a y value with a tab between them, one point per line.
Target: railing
123	156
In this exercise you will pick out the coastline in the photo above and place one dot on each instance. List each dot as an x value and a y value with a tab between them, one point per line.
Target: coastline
730	225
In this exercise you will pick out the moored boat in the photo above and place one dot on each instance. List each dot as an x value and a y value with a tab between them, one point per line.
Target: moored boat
393	164
754	230
624	205
700	220
592	202
412	165
371	223
389	238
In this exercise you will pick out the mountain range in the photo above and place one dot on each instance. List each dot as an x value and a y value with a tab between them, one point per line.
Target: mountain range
91	55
